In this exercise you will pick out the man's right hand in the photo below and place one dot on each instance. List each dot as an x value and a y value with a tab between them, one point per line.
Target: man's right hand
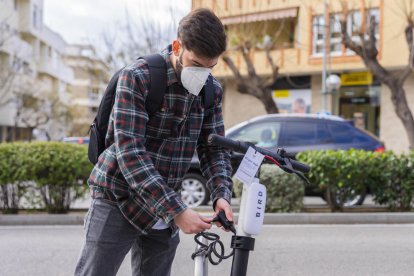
190	222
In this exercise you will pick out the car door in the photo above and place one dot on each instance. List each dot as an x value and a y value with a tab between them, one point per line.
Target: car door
301	135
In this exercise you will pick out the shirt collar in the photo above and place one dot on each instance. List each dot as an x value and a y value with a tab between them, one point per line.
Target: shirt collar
171	76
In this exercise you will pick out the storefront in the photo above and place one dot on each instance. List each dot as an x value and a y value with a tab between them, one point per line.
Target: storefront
358	100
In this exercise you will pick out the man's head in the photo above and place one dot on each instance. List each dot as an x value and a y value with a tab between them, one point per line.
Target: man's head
202	33
201	39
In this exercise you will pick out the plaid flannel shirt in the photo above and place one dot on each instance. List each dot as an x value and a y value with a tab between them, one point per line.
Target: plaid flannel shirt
146	158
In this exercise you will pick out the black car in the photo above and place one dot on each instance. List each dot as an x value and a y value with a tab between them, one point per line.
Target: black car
294	133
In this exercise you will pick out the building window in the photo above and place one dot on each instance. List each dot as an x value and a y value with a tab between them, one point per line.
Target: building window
35	16
317	39
334	26
354	25
335	34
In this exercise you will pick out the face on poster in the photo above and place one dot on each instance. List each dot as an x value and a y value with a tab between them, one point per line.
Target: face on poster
293	101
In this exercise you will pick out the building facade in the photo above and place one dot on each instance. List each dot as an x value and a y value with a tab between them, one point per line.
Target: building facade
299	27
32	56
91	76
38	64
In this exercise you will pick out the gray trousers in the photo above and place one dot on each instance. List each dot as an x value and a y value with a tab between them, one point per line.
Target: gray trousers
109	237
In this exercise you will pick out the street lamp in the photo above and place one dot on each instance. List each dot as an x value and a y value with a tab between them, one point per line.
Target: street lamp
333	83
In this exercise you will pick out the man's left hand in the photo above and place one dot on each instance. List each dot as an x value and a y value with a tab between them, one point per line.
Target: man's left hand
223	205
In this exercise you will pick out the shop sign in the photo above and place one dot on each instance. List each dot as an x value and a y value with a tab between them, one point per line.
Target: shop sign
356	78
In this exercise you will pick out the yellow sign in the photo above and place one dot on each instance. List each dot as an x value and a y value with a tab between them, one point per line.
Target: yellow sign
281	94
356	78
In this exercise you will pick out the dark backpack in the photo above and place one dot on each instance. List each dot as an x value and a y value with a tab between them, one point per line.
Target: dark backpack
158	85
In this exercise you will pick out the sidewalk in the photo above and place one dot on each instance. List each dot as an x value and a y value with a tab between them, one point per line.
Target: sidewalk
315	212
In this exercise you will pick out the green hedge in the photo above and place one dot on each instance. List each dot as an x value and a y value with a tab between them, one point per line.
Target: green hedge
285	192
341	174
58	170
13	174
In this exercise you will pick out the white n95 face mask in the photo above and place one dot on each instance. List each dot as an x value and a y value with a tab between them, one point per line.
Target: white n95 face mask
194	78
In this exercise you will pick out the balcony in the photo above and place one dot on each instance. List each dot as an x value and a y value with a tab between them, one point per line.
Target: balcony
20	48
56	70
93	100
287	59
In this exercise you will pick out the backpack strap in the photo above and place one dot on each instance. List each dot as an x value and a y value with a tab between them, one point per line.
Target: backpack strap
208	95
107	102
158	82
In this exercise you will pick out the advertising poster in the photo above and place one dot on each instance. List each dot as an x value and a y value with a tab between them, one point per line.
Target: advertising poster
293	101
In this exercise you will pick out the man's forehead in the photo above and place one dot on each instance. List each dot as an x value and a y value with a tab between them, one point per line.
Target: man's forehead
200	60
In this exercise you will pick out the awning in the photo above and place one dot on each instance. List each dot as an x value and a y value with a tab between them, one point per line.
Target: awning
260	16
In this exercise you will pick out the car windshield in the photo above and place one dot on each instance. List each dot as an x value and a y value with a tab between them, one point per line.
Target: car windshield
263	134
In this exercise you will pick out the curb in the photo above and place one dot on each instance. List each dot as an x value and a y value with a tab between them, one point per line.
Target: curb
270	218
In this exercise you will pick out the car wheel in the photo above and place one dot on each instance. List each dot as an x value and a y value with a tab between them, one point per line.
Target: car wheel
194	191
354	200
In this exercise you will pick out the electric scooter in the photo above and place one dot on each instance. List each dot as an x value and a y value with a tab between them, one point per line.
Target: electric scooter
251	214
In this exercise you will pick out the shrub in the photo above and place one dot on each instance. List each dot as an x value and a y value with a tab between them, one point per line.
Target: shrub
391	180
13	175
284	191
339	174
60	171
52	173
342	174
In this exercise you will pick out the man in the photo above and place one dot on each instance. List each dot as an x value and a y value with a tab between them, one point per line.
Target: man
135	184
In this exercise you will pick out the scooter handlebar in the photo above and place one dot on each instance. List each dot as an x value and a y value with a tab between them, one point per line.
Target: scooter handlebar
242	147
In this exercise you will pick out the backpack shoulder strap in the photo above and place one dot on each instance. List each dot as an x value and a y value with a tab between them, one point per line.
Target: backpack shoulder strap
107	102
158	82
208	95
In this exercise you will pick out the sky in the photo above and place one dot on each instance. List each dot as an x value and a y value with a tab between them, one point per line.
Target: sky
85	21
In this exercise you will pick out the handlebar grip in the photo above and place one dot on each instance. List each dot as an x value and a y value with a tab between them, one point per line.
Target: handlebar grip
214	139
300	166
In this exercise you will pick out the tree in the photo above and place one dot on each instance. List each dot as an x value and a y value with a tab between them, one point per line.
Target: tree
131	39
245	38
366	48
36	110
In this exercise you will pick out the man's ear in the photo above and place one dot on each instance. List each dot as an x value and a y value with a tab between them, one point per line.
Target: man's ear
176	46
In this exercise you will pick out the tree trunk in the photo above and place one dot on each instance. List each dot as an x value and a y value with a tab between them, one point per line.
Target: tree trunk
398	96
403	111
268	102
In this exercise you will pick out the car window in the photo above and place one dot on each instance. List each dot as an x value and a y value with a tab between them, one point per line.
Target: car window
263	134
360	137
341	133
305	133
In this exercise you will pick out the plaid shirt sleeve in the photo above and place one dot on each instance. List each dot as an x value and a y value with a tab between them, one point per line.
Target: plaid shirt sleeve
136	165
214	160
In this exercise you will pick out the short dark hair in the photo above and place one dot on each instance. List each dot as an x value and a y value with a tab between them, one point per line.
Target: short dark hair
202	32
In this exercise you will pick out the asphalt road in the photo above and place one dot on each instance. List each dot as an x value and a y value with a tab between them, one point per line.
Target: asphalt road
280	250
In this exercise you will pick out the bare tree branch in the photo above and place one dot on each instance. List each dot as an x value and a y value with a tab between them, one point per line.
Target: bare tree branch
274	66
346	39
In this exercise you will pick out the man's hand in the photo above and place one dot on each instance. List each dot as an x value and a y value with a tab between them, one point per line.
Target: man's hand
223	205
190	222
